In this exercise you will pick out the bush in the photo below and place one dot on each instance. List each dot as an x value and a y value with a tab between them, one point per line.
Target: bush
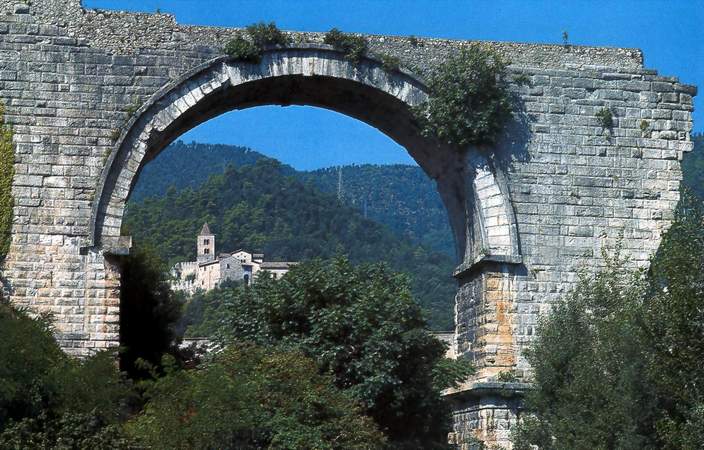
68	431
42	389
251	397
260	36
588	364
243	50
390	63
149	312
618	363
352	46
263	34
606	118
469	102
360	325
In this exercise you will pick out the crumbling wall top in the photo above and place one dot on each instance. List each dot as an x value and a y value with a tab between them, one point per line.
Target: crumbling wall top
123	32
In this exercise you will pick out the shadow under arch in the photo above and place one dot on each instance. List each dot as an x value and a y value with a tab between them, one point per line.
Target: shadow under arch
310	75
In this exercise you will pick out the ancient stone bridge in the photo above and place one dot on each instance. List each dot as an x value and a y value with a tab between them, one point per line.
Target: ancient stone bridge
92	95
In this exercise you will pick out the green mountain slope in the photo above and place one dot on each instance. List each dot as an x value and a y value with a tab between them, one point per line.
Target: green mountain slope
262	207
184	165
401	197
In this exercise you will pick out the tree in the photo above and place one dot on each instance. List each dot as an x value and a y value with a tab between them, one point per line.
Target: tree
674	323
362	327
617	364
148	312
249	397
49	400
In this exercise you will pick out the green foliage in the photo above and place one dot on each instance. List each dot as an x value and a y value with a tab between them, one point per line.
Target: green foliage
618	364
183	165
148	312
693	166
522	80
390	63
132	109
644	125
263	34
44	393
67	432
115	135
414	41
251	397
674	324
242	49
362	327
588	363
469	100
354	47
401	197
606	118
264	208
260	36
7	172
507	376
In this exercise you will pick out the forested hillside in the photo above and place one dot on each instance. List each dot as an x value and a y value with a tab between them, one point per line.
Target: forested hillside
693	166
183	165
401	197
262	207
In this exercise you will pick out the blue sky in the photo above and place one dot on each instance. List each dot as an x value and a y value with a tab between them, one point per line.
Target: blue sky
670	32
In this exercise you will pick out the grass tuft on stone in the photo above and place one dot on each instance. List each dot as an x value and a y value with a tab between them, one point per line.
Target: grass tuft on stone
354	47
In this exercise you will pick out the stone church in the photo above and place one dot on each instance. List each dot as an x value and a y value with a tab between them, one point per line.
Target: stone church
209	270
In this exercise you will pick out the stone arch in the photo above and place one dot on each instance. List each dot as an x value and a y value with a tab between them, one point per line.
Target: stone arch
312	75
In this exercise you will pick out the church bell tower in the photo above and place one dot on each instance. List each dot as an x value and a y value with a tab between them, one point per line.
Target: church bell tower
205	244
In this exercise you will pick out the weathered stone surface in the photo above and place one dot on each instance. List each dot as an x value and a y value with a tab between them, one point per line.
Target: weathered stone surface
555	191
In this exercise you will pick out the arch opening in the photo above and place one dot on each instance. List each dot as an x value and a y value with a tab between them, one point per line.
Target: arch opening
318	77
313	77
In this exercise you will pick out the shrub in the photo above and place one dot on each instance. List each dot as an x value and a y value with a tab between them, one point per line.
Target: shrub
390	63
132	109
149	312
263	34
617	364
114	135
252	397
243	50
361	325
41	387
68	431
353	47
7	172
606	118
522	79
469	101
507	376
260	36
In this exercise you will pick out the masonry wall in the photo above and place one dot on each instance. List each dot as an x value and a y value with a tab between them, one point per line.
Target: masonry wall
577	189
70	78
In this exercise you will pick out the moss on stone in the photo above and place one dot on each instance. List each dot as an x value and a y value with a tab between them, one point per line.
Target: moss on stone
7	172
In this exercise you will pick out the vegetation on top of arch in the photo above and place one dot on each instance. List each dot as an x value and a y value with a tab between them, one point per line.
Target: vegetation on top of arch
469	101
249	48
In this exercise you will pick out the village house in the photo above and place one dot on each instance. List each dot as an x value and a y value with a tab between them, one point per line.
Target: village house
209	269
